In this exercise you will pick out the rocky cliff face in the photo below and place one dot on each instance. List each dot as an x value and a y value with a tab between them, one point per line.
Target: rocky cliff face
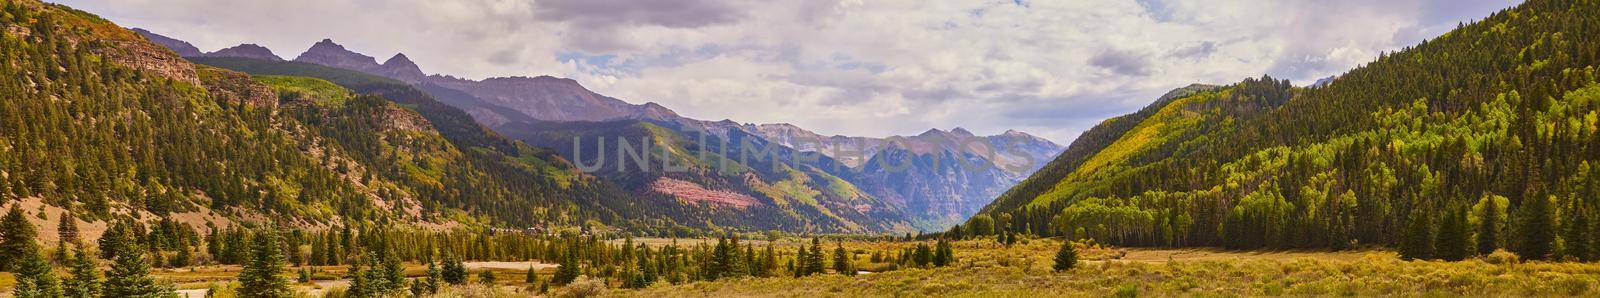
122	46
237	87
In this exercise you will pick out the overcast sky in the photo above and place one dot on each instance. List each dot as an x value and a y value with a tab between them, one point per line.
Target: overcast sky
869	68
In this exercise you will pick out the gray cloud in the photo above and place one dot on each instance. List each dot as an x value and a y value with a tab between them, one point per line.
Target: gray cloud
1122	63
672	14
593	25
872	68
1196	51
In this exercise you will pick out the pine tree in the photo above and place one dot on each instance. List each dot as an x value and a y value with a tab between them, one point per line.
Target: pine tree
1535	228
841	261
183	258
1576	236
130	275
800	258
567	271
648	272
213	243
1066	257
923	256
315	258
814	258
85	279
434	275
769	261
1418	241
721	260
16	238
634	281
419	289
68	228
377	282
393	274
1488	235
360	285
293	249
750	266
61	255
235	247
112	241
157	259
455	272
34	276
943	254
259	278
1452	243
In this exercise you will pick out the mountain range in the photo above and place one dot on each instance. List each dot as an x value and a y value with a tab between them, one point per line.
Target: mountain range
838	183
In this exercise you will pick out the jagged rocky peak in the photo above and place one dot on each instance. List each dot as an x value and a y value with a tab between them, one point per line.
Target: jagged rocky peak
1323	82
538	79
326	52
183	48
1012	133
248	50
402	68
961	132
401	61
784	128
652	110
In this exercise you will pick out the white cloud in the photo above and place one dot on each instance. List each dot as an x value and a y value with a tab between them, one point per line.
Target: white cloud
873	68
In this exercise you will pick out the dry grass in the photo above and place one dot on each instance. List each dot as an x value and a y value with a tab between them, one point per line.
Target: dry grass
988	270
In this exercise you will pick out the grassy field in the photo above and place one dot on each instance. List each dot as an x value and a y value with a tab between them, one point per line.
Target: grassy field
987	269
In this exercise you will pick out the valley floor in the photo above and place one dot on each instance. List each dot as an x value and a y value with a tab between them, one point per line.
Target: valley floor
987	269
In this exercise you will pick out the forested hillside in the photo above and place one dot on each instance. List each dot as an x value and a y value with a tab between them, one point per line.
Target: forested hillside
1482	138
101	122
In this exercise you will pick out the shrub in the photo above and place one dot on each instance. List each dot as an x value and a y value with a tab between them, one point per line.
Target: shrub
1502	257
486	277
585	286
475	290
222	290
1126	291
336	292
1571	285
